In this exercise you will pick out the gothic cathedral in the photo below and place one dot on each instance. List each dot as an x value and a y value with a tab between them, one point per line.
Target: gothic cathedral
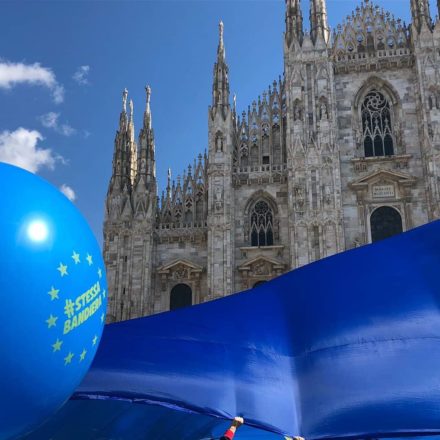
341	151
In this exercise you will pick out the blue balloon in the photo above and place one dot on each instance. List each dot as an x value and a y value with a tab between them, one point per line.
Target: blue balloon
53	295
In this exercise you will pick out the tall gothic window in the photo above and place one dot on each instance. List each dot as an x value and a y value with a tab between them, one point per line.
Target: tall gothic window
261	225
376	125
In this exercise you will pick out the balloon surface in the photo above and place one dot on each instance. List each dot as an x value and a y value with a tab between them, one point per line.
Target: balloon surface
53	300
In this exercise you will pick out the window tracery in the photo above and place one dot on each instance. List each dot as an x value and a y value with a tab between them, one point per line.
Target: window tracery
261	218
377	131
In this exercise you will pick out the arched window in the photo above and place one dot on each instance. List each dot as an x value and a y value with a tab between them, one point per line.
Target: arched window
385	222
377	125
180	296
261	224
259	283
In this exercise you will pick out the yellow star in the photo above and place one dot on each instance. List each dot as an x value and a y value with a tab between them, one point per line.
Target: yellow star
82	355
102	317
100	273
63	269
53	293
68	358
57	345
75	257
89	259
51	321
95	339
103	293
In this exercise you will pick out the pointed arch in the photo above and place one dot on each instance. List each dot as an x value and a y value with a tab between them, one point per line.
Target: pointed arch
376	108
261	195
384	86
261	213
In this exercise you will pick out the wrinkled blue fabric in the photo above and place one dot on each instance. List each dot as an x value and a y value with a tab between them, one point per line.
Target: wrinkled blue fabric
122	420
347	346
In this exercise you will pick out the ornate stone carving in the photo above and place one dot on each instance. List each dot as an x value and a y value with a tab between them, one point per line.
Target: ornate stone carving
219	142
260	268
369	29
299	192
218	198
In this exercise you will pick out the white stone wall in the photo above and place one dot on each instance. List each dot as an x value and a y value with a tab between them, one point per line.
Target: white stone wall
409	200
321	186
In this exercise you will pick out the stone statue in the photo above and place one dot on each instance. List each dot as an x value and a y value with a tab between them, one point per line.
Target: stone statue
219	143
218	198
323	111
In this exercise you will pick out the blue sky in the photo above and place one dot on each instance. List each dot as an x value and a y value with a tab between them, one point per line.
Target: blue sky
64	64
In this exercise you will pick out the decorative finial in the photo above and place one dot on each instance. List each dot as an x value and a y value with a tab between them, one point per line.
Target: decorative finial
235	101
124	100
148	90
131	109
220	29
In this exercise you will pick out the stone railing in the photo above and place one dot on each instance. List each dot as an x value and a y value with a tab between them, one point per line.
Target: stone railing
385	53
260	169
181	225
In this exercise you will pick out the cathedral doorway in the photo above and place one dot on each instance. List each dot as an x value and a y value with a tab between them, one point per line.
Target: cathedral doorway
385	222
180	296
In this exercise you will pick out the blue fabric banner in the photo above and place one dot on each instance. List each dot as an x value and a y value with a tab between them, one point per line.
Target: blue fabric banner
345	347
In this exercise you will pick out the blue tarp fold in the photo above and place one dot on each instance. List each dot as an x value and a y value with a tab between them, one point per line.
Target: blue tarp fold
348	346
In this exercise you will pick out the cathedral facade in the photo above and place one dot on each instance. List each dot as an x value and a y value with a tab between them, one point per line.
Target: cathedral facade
342	150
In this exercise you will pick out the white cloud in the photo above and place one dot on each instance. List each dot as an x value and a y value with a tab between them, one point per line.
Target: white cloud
50	120
68	192
19	148
58	94
67	130
12	74
81	75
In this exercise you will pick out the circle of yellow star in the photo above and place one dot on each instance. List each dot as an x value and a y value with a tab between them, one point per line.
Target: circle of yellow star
68	358
57	345
103	293
89	259
95	339
63	269
102	317
75	257
82	355
51	321
100	273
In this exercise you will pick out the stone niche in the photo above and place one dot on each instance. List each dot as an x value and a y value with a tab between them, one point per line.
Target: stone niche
259	269
177	272
383	188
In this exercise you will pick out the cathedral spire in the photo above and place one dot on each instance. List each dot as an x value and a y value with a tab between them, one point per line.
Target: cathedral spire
221	46
220	88
294	22
318	21
131	110
169	184
132	143
147	162
122	155
147	114
420	14
123	117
